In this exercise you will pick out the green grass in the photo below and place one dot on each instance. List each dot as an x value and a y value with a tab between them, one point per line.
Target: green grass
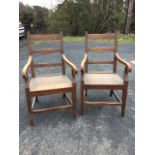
130	38
74	38
123	39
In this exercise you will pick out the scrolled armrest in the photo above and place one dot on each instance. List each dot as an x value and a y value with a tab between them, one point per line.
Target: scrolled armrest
74	68
25	68
128	66
83	63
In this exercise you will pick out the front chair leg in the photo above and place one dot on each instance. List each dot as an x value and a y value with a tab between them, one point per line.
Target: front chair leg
82	98
29	103
74	102
124	98
30	119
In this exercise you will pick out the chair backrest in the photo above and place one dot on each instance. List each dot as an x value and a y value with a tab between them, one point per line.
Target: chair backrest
113	49
46	37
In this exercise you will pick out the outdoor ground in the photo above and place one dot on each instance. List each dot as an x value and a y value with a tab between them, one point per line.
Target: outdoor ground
100	131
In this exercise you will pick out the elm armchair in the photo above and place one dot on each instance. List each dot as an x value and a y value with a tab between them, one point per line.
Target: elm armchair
111	81
48	84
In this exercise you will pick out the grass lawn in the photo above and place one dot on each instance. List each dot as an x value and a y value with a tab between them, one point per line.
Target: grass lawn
124	39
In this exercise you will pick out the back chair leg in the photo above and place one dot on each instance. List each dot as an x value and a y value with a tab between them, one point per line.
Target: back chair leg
63	95
37	99
124	98
29	103
111	92
86	92
82	98
74	102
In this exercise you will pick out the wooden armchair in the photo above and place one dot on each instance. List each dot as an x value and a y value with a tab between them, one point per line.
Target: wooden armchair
51	84
111	80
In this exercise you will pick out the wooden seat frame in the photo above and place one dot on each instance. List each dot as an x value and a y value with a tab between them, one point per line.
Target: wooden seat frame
84	69
32	97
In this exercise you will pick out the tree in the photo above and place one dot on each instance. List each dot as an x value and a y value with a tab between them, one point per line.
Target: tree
40	15
73	17
26	15
129	16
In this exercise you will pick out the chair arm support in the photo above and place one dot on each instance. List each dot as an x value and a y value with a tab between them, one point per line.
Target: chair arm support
74	68
127	65
83	63
25	68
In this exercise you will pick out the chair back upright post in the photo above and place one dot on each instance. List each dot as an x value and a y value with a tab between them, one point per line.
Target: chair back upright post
86	50
62	52
30	54
115	51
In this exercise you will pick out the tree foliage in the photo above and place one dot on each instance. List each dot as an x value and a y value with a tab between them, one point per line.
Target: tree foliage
33	16
73	17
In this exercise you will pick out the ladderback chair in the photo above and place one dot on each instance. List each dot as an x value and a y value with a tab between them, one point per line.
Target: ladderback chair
48	84
111	81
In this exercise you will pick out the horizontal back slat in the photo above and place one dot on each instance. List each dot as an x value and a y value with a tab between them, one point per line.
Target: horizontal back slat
101	62
101	49
45	51
45	37
48	65
102	36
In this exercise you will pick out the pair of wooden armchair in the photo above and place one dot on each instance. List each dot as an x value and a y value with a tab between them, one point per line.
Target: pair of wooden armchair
61	83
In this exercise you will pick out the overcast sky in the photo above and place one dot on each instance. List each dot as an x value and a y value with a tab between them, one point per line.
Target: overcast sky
43	3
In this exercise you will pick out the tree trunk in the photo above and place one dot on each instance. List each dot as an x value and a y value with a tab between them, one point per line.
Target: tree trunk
129	16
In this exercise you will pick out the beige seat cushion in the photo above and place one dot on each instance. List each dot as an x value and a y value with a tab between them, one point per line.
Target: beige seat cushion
50	83
102	79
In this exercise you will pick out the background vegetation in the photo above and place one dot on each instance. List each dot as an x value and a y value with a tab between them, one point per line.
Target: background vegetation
73	17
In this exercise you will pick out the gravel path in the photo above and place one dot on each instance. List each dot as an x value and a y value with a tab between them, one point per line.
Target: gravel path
101	131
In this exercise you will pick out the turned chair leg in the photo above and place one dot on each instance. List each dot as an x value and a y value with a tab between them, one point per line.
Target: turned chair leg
74	102
124	98
29	103
111	92
82	98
